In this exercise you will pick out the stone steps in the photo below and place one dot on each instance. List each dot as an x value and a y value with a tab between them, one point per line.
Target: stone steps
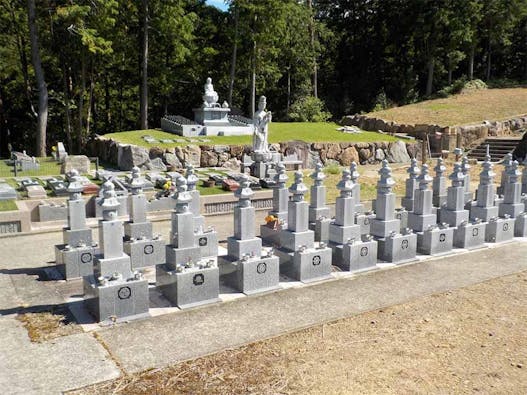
498	148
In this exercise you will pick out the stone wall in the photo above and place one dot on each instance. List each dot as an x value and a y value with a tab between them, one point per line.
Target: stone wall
470	135
229	156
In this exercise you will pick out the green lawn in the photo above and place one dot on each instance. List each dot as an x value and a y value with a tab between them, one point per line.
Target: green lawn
8	205
48	166
278	132
466	108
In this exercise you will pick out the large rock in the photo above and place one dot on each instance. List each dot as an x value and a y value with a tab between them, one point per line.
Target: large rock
397	153
191	154
365	154
348	156
232	164
379	155
208	159
156	152
130	156
155	164
81	163
299	148
172	161
333	151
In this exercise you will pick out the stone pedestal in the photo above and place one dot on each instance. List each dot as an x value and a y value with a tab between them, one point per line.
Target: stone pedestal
411	185
245	267
437	240
277	217
74	258
439	184
520	225
364	221
187	279
319	218
300	258
470	235
499	230
393	246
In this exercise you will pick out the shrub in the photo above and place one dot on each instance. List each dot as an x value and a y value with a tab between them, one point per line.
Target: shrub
461	85
309	109
332	168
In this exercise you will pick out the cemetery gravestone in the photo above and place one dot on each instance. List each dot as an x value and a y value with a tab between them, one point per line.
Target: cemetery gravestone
439	184
276	219
512	205
319	218
411	185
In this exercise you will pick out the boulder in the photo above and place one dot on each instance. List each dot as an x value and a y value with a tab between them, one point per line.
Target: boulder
155	164
236	151
397	153
208	159
232	164
156	152
348	156
333	151
379	155
299	148
130	156
172	160
79	162
365	154
191	154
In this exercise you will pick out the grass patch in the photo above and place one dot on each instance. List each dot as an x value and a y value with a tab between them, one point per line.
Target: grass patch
48	325
278	132
48	167
465	108
8	205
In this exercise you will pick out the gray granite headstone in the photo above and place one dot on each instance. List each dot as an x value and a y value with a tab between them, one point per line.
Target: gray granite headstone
319	217
277	217
411	185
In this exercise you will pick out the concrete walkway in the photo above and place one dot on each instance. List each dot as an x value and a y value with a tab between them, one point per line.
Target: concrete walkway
81	359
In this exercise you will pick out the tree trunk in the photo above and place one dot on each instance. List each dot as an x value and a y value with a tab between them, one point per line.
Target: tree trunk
234	55
69	139
489	62
80	130
449	73
253	81
312	39
90	105
288	90
430	79
42	88
144	69
107	113
3	126
471	63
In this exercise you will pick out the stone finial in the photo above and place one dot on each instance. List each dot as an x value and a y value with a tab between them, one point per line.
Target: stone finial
244	193
386	182
413	171
298	189
486	177
465	167
346	184
281	176
458	151
507	161
318	175
192	178
75	186
109	202
136	184
440	167
354	173
457	176
513	172
183	197
424	178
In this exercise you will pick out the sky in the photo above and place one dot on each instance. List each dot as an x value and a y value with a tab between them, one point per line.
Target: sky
218	3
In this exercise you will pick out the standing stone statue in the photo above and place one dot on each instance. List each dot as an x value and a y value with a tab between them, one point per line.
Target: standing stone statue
113	292
75	257
261	120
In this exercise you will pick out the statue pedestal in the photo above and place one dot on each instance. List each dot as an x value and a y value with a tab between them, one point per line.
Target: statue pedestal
212	116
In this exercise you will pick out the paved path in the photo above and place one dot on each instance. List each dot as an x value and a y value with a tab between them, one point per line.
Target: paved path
77	360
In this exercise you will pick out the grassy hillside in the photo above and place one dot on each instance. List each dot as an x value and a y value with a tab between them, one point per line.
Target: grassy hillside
278	132
471	107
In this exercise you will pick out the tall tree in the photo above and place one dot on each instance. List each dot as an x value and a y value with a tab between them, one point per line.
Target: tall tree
42	87
144	67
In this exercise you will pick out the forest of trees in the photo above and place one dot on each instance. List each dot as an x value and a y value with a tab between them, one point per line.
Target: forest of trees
72	68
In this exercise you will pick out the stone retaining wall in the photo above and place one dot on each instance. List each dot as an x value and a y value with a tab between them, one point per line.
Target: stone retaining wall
229	156
470	135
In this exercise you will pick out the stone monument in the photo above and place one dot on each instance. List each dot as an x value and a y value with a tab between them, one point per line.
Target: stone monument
393	246
468	234
498	229
411	185
432	239
245	266
319	217
512	205
465	168
277	217
350	251
186	279
362	218
140	244
300	258
75	256
507	163
113	292
439	184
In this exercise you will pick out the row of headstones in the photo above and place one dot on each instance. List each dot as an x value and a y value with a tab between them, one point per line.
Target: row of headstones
306	241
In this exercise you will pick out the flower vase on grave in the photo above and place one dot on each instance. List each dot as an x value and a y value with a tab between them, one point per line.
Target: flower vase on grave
300	257
276	219
432	239
319	218
75	256
351	250
498	229
186	279
393	246
247	267
140	244
468	233
114	292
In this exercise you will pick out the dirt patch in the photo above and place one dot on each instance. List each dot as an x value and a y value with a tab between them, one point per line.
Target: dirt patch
45	326
464	341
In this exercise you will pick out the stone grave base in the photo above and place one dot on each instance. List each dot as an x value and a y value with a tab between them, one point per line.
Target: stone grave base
500	230
182	256
270	235
189	288
207	242
253	275
344	234
364	220
520	227
321	229
118	300
144	253
436	241
355	257
74	262
312	264
402	215
293	241
398	248
137	230
77	237
470	236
